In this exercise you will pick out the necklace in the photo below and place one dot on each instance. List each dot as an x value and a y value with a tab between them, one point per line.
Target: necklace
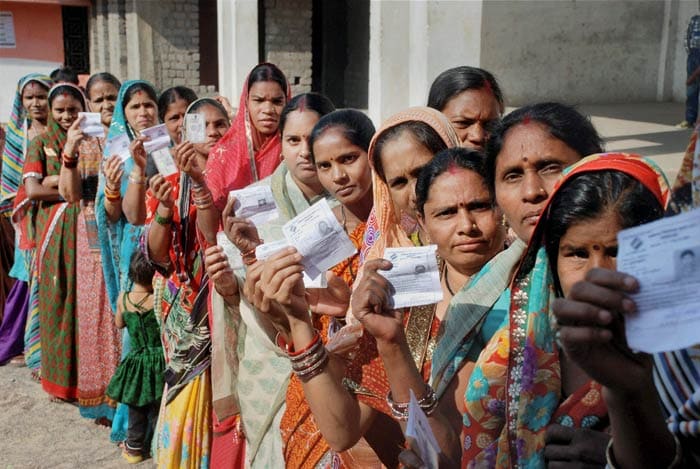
447	281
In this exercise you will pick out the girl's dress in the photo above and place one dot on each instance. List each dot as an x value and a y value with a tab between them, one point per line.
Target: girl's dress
139	379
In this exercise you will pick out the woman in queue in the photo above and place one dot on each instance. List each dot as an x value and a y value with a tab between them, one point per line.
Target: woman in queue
183	435
471	99
251	149
28	119
295	187
55	227
99	339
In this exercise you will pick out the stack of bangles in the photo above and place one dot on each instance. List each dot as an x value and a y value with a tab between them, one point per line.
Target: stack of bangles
249	256
202	196
137	179
70	162
428	403
113	195
311	360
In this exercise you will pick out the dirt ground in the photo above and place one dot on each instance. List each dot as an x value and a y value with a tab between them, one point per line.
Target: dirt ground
37	433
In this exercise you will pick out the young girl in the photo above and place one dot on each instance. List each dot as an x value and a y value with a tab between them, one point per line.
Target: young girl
138	381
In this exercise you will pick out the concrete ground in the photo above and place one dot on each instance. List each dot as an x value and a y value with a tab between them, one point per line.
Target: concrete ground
644	128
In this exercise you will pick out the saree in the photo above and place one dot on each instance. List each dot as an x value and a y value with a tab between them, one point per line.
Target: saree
304	446
55	260
385	227
514	391
117	240
263	368
100	340
234	163
183	434
17	307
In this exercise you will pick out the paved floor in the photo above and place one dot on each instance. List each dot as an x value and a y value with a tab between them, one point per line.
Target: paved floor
644	128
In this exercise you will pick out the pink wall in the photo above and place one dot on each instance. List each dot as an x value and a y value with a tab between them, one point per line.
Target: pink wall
38	31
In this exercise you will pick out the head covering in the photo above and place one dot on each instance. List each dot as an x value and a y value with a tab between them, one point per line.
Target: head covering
15	145
514	391
384	224
233	163
118	240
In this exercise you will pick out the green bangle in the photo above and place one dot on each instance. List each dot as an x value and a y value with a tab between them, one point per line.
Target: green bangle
165	221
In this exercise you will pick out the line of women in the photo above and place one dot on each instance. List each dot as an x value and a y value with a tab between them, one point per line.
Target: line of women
522	363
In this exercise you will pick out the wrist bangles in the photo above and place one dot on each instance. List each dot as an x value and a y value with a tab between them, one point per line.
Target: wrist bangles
161	220
428	403
310	361
69	162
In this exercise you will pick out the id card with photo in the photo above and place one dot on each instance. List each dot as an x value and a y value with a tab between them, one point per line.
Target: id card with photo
158	138
195	131
91	125
164	162
119	146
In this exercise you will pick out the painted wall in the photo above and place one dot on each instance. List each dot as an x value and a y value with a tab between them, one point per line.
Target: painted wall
593	51
39	36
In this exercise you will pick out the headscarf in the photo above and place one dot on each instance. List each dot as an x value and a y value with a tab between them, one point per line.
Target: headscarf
118	240
384	225
233	163
514	391
13	154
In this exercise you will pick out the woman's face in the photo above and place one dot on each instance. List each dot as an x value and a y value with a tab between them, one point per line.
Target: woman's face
343	168
35	101
102	98
216	126
295	146
173	118
141	111
473	114
266	99
527	168
402	159
65	109
587	245
460	217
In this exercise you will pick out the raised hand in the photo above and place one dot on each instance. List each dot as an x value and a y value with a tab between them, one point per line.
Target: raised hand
370	304
241	232
333	300
74	136
591	325
162	190
138	152
186	160
113	170
567	447
220	272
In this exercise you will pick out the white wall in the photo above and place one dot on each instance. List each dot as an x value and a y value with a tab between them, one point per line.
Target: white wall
12	71
575	51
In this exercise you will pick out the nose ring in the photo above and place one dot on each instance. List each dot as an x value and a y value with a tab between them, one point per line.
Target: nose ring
474	227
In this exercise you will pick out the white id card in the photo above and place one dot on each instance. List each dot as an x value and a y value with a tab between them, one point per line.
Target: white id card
164	162
414	276
119	146
195	128
91	125
255	203
234	257
158	138
266	250
418	431
664	256
319	238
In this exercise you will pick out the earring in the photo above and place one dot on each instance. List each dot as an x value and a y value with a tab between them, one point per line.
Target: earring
281	157
504	221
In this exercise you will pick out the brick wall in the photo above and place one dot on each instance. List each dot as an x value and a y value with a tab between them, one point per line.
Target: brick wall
288	40
167	34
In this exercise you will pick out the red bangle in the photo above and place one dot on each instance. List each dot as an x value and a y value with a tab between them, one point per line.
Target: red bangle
295	353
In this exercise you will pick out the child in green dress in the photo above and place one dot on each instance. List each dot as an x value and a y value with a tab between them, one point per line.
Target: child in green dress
139	379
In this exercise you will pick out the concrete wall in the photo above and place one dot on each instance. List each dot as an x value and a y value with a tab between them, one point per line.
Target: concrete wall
288	40
593	51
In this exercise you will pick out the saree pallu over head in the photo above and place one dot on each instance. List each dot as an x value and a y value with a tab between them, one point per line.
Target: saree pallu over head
15	143
118	240
55	236
385	227
515	391
234	163
686	188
